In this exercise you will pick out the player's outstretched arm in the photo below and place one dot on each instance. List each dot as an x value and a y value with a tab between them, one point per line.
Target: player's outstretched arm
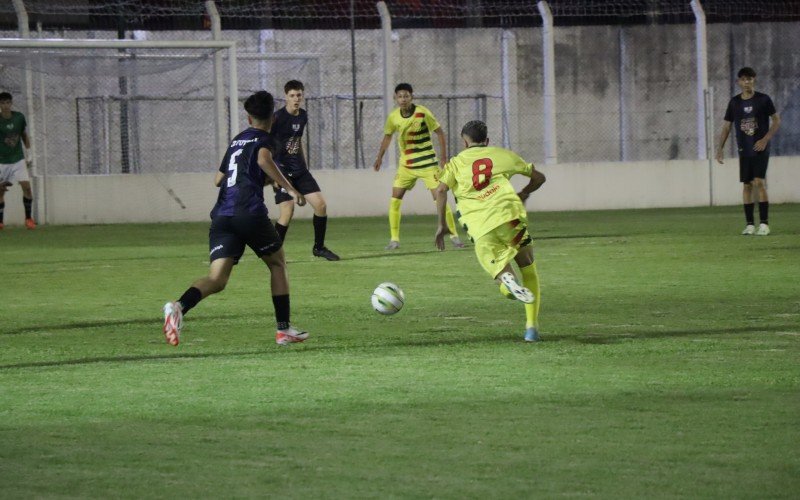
268	166
441	227
387	139
535	182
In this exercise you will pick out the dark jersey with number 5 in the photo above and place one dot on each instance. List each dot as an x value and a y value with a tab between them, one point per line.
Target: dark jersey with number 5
242	190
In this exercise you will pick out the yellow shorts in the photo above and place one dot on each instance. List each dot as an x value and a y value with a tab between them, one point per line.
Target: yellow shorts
499	246
406	178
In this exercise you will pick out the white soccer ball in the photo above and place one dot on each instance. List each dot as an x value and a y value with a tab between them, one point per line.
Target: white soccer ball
388	298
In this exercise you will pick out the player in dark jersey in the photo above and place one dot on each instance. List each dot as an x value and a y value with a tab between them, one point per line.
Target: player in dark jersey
287	130
756	122
240	218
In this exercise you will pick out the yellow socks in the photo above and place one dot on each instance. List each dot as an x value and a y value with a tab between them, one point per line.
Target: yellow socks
451	221
530	280
394	218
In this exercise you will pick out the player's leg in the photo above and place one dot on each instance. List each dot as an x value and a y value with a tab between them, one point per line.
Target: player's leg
495	256
760	186
19	173
279	285
530	279
225	249
218	275
399	188
27	202
317	202
4	171
285	205
746	178
264	240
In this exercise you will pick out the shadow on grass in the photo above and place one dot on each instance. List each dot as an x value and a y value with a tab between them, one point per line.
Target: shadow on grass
155	320
506	338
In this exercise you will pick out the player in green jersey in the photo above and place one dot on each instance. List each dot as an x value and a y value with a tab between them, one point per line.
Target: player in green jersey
13	163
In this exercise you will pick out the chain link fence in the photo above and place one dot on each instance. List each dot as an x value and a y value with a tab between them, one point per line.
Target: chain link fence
625	76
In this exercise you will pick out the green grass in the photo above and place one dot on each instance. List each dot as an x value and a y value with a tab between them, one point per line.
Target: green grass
670	365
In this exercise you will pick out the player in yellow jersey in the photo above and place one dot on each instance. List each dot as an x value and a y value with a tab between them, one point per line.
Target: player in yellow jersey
494	215
414	125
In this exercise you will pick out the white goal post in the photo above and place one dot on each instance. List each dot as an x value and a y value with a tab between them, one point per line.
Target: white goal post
29	56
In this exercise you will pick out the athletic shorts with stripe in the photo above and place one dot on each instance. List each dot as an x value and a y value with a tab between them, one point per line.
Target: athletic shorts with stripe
498	247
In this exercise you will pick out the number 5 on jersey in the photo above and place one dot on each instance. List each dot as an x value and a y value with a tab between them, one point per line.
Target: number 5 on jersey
481	173
233	168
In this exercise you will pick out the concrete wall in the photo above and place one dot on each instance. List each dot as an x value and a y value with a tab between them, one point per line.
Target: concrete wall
579	186
623	92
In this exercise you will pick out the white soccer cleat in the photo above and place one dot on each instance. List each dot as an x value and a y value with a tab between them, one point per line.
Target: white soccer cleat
749	229
173	322
290	335
518	291
393	245
763	229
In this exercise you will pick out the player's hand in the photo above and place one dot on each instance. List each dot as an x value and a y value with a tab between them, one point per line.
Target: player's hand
718	156
761	144
298	198
4	186
377	166
29	162
441	231
523	196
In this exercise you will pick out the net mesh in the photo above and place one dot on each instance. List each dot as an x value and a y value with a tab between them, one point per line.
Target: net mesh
429	9
625	70
112	111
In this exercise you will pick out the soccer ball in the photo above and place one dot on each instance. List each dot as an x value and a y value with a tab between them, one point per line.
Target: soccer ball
388	298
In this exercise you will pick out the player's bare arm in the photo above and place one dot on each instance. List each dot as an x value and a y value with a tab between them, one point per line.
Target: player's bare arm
218	178
442	146
775	123
723	136
268	166
441	202
535	182
387	139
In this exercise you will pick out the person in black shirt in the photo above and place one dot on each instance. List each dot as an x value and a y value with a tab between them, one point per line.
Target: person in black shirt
240	218
756	121
287	129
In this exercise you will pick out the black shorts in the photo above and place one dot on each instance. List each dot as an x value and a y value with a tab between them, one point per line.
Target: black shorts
751	167
229	234
303	182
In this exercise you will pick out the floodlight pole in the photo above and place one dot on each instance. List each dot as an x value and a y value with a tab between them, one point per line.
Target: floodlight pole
219	97
388	73
549	97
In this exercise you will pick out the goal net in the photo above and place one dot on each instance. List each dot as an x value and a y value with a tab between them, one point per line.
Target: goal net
105	109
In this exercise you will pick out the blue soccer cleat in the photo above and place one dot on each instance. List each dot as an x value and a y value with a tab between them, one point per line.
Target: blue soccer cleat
531	334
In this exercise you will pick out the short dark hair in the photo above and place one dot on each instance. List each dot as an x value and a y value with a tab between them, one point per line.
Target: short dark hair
5	96
746	71
260	105
476	130
293	85
404	86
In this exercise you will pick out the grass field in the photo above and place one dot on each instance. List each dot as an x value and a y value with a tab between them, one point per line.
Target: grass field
670	365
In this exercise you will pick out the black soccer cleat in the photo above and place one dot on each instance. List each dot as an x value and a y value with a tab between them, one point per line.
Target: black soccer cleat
325	253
